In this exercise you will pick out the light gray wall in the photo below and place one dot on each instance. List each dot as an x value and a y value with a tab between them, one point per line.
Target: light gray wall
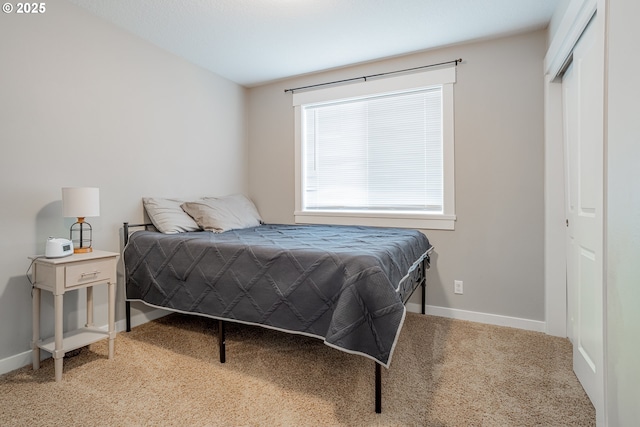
83	103
623	216
497	247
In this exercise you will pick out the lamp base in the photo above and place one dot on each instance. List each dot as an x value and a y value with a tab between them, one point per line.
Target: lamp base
81	234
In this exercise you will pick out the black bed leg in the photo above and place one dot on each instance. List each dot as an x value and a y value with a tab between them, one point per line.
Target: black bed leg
127	309
221	342
378	390
423	284
127	304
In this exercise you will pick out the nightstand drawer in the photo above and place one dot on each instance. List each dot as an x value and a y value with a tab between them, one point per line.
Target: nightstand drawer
87	272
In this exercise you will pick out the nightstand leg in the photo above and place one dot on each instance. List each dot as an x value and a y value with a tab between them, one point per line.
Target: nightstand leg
89	306
35	317
112	318
58	353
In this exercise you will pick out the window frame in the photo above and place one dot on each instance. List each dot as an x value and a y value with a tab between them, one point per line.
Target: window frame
444	77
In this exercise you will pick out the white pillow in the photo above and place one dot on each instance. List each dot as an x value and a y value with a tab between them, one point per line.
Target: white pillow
220	214
167	215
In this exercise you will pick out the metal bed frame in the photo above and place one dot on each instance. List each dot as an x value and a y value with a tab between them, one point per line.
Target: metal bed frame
420	279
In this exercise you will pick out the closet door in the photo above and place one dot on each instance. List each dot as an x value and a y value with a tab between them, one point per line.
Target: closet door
583	100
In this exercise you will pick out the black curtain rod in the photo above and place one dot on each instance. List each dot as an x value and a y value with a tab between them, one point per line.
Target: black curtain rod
455	61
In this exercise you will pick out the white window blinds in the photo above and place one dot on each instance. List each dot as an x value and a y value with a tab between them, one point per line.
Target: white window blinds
377	153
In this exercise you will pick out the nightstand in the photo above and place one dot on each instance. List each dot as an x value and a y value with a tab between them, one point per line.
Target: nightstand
60	275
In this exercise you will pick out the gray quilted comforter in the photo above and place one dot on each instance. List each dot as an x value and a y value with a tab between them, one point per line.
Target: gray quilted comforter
344	284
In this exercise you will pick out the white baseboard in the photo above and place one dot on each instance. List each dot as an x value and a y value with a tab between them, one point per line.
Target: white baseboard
474	316
140	318
16	361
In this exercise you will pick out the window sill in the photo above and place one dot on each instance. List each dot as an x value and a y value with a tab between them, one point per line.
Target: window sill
415	221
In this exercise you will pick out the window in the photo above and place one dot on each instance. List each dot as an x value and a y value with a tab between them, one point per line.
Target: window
377	153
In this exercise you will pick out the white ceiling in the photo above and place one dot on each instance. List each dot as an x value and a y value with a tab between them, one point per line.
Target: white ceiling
255	41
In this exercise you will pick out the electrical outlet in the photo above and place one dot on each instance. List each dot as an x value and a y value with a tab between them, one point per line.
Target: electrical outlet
457	287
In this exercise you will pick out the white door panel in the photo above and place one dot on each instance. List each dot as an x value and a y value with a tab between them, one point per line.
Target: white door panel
570	97
584	178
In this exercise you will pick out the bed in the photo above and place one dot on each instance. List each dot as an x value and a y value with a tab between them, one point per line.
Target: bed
345	285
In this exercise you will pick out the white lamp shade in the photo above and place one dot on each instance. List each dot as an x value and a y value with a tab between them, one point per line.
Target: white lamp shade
80	202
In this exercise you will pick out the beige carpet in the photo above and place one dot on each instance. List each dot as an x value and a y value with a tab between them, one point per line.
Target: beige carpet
166	372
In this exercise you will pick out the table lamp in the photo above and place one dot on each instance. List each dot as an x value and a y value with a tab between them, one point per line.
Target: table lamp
81	202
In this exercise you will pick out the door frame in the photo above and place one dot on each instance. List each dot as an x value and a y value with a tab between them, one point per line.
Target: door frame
575	20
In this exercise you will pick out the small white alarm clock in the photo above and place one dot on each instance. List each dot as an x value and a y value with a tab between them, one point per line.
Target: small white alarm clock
57	247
